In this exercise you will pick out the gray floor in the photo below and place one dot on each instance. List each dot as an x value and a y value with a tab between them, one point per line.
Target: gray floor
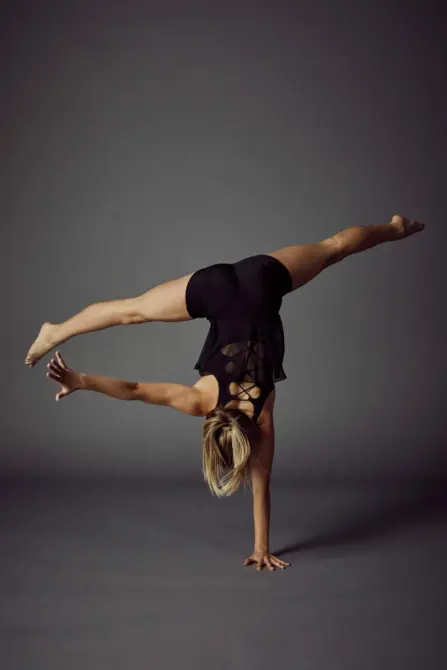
150	575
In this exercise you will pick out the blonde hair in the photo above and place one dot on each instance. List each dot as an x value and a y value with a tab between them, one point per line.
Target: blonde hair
228	437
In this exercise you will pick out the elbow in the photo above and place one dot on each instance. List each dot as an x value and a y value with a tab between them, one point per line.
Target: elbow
260	484
131	391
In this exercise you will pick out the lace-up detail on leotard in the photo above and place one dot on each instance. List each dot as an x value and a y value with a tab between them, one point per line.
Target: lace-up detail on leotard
248	355
244	380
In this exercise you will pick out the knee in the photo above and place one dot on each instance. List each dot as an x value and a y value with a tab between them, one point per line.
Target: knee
336	250
133	311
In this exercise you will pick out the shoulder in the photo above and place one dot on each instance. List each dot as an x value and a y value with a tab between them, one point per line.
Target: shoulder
187	399
263	452
207	390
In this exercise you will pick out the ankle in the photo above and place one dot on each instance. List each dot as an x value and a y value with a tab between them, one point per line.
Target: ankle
54	334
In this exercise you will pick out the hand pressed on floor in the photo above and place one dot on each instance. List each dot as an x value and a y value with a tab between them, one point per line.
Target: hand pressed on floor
265	558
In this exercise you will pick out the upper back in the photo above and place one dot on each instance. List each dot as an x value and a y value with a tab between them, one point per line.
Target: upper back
210	388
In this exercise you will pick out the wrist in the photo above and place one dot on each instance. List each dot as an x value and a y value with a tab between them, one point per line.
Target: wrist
82	381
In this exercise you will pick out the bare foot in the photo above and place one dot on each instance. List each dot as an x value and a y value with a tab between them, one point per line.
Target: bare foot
43	343
406	227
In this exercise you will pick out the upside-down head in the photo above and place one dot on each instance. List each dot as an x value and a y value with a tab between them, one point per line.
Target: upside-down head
229	438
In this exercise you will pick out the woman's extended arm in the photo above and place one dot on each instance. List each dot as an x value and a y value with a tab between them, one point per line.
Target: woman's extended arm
186	399
115	388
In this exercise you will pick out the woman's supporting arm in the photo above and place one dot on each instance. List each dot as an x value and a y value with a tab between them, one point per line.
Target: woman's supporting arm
261	516
261	470
260	476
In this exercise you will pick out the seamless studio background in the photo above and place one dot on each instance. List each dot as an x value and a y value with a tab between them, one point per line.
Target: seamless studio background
141	141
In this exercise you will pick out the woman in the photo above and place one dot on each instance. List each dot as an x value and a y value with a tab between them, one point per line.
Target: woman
240	362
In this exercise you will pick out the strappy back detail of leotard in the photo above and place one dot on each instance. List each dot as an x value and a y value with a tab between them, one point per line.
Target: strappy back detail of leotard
245	379
242	374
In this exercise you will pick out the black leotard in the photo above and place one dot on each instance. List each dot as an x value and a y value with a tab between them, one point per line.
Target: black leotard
245	341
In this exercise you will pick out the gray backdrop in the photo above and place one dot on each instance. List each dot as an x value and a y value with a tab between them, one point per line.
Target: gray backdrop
141	141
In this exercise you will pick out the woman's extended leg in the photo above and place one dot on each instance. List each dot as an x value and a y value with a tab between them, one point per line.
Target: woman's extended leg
164	302
306	261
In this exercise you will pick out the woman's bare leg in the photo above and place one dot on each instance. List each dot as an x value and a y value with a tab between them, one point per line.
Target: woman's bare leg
164	302
306	261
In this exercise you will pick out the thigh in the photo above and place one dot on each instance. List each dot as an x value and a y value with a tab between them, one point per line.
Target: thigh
262	282
306	261
165	302
211	291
